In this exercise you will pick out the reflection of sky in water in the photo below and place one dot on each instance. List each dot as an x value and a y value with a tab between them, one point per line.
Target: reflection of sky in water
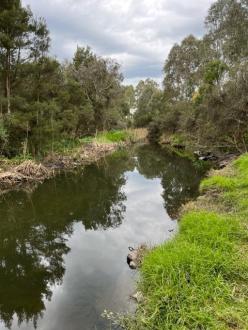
97	276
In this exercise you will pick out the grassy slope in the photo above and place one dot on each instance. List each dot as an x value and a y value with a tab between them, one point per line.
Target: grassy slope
199	280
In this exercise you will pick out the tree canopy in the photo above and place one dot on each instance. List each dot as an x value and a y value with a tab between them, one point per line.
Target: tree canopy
205	98
42	100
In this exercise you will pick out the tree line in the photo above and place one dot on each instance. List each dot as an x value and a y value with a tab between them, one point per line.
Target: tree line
43	101
204	99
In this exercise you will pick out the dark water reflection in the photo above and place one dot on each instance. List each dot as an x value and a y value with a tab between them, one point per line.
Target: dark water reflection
63	248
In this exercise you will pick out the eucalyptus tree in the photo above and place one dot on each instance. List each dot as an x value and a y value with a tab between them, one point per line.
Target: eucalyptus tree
100	80
205	81
149	99
227	29
183	68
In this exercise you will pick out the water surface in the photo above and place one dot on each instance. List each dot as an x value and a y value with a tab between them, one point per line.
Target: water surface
63	247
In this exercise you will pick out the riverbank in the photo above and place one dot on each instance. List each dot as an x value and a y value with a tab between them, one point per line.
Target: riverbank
25	174
199	280
219	155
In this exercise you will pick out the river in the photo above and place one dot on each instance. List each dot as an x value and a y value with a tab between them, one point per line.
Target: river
63	247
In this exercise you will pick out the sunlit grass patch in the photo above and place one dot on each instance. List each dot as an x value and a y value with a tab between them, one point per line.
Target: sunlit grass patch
219	182
112	136
242	164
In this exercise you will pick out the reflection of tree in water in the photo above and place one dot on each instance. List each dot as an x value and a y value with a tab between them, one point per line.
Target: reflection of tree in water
179	178
101	205
31	260
33	231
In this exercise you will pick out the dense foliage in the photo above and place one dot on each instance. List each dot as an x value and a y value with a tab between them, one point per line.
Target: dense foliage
205	89
43	101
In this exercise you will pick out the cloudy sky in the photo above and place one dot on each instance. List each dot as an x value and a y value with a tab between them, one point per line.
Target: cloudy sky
137	33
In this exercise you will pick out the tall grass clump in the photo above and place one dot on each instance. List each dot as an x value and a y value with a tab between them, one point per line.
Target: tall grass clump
118	136
113	136
199	279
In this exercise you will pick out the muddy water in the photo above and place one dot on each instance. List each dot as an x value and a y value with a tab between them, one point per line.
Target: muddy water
63	247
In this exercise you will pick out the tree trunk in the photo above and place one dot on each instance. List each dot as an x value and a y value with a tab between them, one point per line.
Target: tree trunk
8	93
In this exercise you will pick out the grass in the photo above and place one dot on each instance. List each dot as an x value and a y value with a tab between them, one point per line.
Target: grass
113	137
219	182
118	136
199	279
68	146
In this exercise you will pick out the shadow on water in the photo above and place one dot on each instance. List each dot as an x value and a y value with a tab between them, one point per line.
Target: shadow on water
68	222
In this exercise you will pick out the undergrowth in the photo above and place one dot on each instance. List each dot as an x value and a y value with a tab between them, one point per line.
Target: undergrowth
117	136
199	279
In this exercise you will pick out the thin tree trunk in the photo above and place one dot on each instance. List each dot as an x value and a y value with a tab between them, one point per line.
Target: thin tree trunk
8	93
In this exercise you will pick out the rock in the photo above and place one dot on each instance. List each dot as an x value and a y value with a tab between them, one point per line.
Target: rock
132	256
204	156
138	296
135	256
132	265
212	157
197	153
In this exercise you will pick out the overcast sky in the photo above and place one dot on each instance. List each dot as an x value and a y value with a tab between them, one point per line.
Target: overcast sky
137	33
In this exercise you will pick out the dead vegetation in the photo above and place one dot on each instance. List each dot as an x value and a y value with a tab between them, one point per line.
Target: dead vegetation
95	151
85	155
26	173
31	170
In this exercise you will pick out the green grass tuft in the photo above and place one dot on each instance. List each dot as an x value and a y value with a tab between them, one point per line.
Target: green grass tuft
117	136
219	182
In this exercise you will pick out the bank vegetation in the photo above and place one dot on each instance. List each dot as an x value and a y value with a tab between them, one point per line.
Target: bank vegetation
46	103
203	102
199	279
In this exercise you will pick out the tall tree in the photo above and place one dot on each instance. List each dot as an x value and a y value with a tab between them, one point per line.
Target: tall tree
100	80
148	102
183	68
15	27
227	25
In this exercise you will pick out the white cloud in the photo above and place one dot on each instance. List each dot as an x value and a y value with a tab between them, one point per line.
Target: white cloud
137	33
